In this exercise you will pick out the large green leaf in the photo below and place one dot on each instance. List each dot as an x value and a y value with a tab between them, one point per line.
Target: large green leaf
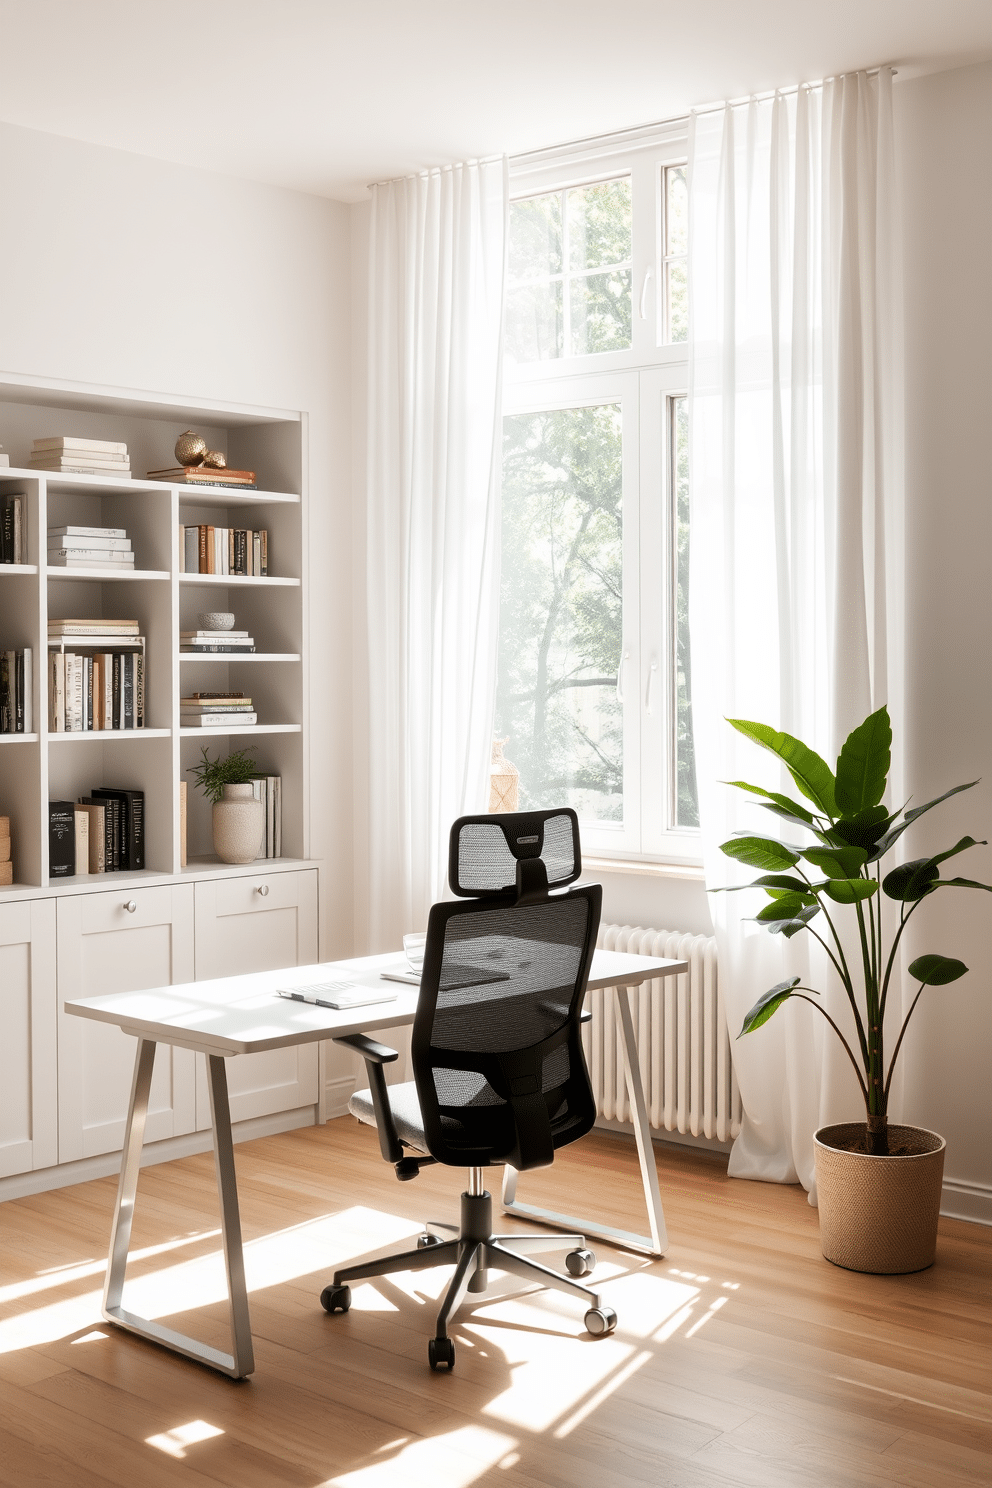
760	852
936	971
910	881
837	862
850	890
893	835
811	773
865	829
784	803
959	847
786	908
962	883
863	765
767	1004
792	927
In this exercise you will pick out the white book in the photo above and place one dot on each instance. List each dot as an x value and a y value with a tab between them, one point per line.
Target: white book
212	635
66	560
71	531
28	692
73	693
100	463
218	720
270	807
107	687
56	711
82	821
277	816
77	469
73	442
69	543
259	792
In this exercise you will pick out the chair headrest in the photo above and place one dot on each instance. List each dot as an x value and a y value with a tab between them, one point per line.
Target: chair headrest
505	854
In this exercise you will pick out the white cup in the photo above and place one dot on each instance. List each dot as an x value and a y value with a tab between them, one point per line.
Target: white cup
413	950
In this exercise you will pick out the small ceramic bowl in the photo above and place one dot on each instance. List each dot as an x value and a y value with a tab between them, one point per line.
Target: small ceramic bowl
217	620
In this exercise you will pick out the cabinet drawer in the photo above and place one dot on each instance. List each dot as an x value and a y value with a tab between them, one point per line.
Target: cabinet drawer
28	1072
262	893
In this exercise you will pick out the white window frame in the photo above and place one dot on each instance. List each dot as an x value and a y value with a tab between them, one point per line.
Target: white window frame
642	379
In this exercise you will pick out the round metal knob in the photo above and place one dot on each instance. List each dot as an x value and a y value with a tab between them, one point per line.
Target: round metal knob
130	906
262	889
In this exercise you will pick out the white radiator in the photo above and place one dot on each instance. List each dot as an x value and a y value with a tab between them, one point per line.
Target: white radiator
683	1046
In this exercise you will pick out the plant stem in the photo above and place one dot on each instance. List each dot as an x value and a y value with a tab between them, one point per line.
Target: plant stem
833	1025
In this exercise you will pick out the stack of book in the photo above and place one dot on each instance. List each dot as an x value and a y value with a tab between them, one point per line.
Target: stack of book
89	547
215	642
13	532
224	550
100	685
268	790
6	866
71	456
231	710
103	832
16	708
205	475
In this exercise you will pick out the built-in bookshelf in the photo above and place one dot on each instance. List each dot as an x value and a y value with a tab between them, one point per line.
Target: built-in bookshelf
46	765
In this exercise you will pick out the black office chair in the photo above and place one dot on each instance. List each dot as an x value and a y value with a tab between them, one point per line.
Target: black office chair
499	1071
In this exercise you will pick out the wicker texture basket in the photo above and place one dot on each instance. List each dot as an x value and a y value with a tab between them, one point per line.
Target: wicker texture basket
879	1214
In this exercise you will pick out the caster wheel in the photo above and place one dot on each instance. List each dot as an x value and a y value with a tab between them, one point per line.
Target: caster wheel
335	1298
580	1262
424	1242
441	1351
600	1320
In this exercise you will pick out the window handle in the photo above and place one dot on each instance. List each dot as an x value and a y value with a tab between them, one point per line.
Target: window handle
649	696
620	676
644	294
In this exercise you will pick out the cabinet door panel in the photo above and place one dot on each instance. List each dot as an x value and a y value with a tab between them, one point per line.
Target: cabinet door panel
104	948
239	929
28	1061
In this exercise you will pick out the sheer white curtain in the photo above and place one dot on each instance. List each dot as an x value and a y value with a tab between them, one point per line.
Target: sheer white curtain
796	529
436	269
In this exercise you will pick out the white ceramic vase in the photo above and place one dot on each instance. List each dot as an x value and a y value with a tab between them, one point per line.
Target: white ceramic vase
238	824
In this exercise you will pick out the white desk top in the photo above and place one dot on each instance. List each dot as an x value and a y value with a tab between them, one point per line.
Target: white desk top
243	1015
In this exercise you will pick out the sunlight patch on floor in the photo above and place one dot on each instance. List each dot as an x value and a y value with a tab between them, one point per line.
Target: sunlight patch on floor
453	1460
58	1276
175	1442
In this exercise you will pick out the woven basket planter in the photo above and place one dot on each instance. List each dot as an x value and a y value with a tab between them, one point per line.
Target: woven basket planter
879	1214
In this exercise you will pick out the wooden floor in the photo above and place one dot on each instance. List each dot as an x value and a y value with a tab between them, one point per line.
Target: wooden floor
741	1358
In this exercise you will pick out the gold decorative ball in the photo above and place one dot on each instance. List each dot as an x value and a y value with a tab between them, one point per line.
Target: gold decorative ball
215	459
190	448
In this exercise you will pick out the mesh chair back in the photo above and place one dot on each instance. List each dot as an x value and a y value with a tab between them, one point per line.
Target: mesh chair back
484	850
497	1053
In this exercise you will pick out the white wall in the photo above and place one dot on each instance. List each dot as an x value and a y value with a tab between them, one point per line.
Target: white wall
944	140
120	270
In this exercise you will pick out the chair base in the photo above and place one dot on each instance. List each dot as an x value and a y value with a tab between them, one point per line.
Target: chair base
473	1251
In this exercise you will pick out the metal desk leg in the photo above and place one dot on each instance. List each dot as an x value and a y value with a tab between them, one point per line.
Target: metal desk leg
242	1361
657	1242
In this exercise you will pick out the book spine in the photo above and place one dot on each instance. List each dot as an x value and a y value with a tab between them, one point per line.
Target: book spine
139	689
264	536
89	693
61	839
136	815
118	720
256	556
211	550
28	690
20	546
270	806
182	823
182	548
127	691
7	534
6	713
192	549
107	682
58	723
202	548
230	551
258	792
81	823
277	817
19	692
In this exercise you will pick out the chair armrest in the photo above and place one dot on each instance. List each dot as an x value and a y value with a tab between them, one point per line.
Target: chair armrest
375	1056
367	1047
586	1015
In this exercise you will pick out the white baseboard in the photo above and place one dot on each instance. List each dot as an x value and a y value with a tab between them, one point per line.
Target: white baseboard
19	1185
960	1200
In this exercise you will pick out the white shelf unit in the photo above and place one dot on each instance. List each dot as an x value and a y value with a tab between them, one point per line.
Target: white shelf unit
44	766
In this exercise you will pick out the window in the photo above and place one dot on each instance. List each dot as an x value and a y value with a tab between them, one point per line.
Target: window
594	679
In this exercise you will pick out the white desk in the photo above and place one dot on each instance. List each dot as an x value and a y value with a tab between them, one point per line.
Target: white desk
243	1015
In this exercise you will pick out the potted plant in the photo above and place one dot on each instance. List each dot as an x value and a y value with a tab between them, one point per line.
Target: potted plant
238	819
878	1186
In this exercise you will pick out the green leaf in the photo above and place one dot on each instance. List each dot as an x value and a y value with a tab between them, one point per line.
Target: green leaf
865	829
850	890
911	881
789	928
896	832
962	883
812	774
936	971
959	847
784	803
767	1004
863	764
786	908
837	862
760	852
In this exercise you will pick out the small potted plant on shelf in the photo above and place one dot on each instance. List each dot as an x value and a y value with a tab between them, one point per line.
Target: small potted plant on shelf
878	1185
238	819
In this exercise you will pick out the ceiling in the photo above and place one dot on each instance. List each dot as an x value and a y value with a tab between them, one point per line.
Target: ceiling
325	96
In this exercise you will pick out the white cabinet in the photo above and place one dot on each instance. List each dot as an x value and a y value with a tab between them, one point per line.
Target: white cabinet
28	1109
258	923
120	941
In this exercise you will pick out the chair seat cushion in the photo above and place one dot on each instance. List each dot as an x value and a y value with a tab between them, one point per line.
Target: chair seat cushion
405	1106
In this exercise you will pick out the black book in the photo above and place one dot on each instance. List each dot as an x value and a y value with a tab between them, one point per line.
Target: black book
6	697
61	839
19	693
114	809
139	690
127	691
131	835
